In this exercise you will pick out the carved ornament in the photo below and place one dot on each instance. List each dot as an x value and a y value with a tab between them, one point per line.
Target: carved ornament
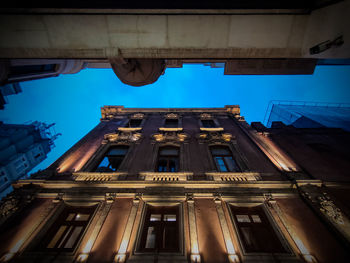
175	136
138	116
215	136
13	202
120	136
206	116
323	202
171	116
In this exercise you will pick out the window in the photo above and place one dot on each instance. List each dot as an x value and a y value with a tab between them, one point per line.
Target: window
112	159
160	231
31	69
66	231
134	123
208	123
223	159
168	159
255	231
171	123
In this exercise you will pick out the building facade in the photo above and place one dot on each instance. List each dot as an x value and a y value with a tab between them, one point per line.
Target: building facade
22	147
309	115
176	185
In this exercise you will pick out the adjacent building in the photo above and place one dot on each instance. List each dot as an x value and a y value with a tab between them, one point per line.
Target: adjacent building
183	185
22	147
309	114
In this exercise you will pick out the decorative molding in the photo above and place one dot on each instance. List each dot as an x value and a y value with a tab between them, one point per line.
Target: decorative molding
171	116
216	135
129	136
13	202
165	177
206	116
234	177
323	203
170	136
96	177
138	116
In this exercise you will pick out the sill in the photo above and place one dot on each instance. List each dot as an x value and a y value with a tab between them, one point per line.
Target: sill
212	129
129	129
170	129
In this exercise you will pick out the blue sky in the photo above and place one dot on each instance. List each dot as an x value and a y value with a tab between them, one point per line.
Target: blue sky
73	101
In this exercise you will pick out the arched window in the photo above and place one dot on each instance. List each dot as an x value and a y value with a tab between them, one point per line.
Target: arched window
223	159
112	159
168	159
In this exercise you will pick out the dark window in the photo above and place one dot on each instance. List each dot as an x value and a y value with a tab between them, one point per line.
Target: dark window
171	123
68	228
31	69
134	123
161	229
168	159
223	160
208	124
112	159
255	231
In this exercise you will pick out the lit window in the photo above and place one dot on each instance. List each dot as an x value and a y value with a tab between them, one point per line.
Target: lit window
112	159
171	123
134	123
168	159
66	231
208	124
223	160
255	231
161	230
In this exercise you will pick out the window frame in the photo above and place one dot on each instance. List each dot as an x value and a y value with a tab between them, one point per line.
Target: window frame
104	155
237	161
168	157
138	252
59	220
263	256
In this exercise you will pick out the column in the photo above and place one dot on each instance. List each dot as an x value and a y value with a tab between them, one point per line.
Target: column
195	256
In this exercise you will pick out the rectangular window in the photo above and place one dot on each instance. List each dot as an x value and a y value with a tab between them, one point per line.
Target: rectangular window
134	123
255	231
168	159
208	124
171	123
66	231
223	159
112	159
160	231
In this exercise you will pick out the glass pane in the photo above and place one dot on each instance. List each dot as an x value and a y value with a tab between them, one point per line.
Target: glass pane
169	218
82	217
248	236
220	164
134	123
220	151
57	236
65	237
231	163
208	124
73	238
115	162
118	151
151	238
169	151
256	218
162	165
173	165
243	218
103	166
169	237
70	217
171	123
155	217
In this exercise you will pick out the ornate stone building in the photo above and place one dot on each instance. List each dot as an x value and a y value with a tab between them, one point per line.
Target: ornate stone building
177	185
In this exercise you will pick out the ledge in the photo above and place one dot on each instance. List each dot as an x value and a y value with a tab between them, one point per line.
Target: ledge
211	129
95	176
129	129
170	129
